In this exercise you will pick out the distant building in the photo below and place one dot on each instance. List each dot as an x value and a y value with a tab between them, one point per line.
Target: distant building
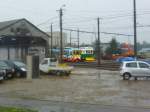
143	50
144	53
56	39
19	38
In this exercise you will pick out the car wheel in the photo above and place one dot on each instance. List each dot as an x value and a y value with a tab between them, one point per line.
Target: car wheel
68	73
9	76
135	78
42	73
1	81
18	74
126	76
58	73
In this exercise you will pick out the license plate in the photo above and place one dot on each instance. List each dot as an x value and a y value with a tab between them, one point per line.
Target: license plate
1	78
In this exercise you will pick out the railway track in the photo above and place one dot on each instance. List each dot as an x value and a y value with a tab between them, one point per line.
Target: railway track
105	65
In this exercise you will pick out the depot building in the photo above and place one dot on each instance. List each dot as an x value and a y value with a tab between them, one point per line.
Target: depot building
19	38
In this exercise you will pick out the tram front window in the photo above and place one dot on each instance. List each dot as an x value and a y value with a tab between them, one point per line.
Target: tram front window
89	52
65	52
77	52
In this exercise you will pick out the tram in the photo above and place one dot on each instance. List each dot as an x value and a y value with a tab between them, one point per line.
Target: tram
83	54
87	54
72	54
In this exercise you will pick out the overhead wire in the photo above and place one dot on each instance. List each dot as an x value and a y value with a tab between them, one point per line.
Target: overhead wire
110	33
48	20
89	19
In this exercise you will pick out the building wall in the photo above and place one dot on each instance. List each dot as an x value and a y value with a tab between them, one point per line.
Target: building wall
21	53
17	36
37	50
3	53
14	54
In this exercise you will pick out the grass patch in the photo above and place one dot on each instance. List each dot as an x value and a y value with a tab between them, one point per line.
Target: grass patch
12	109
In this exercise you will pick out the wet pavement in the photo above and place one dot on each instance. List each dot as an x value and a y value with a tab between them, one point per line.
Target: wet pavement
51	106
85	85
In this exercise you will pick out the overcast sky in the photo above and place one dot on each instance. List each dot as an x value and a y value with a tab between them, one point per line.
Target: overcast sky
116	16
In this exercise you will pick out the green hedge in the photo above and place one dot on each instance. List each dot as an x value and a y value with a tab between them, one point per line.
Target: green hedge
12	109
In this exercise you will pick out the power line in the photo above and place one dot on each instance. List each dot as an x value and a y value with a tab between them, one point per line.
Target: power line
90	19
79	21
112	11
144	26
45	22
110	33
121	16
125	27
116	16
105	18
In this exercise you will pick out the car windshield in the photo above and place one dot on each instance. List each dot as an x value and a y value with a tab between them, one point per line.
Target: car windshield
3	65
20	64
53	60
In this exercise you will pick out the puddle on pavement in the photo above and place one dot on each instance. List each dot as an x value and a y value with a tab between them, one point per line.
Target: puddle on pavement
90	86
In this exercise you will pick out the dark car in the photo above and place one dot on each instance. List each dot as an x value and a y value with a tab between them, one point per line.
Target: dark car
18	66
9	71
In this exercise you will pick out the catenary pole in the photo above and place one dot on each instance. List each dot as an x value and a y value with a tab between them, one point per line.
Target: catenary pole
61	36
78	38
99	49
135	29
70	39
51	40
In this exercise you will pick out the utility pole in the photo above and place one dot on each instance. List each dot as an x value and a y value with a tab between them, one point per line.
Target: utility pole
78	38
135	29
70	39
51	40
61	36
99	49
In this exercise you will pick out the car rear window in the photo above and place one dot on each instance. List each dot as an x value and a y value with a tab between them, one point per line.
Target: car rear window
53	60
3	64
19	64
45	62
131	65
143	65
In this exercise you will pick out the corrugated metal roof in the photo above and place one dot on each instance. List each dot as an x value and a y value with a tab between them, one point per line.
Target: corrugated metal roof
5	24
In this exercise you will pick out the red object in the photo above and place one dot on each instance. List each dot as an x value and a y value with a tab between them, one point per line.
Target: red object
126	50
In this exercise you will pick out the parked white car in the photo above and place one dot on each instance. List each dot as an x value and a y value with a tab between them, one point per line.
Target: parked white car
134	69
51	65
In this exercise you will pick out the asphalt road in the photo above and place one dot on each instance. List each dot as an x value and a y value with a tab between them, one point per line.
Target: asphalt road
49	106
88	89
